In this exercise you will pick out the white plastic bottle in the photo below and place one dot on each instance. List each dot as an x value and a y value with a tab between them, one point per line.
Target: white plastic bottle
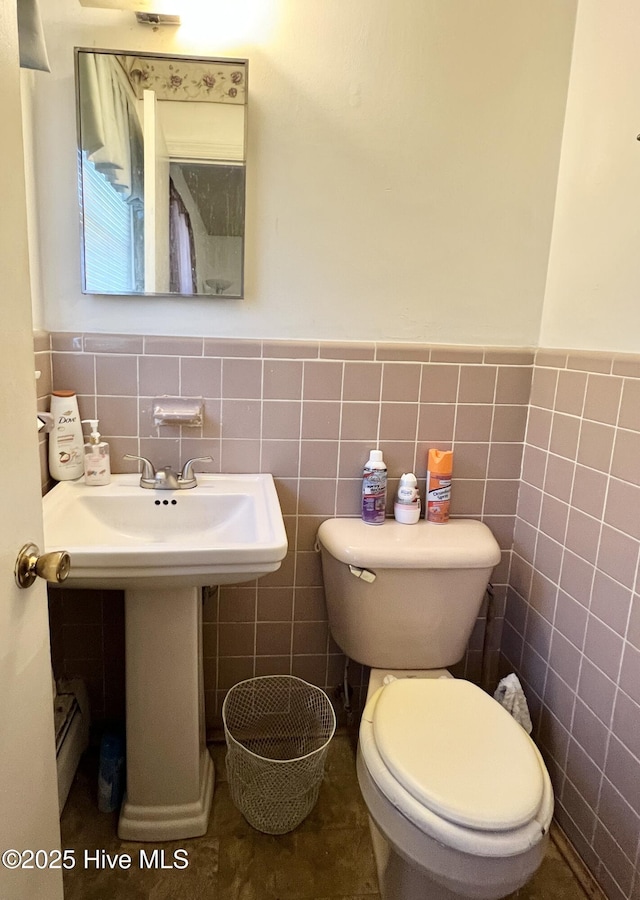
65	439
406	507
374	489
97	464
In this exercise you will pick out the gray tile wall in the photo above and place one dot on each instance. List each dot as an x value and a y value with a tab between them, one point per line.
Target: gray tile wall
308	413
572	627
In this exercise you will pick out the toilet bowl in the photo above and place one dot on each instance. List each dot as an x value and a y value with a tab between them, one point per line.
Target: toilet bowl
454	786
459	799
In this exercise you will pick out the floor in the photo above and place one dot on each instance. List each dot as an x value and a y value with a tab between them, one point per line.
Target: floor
328	857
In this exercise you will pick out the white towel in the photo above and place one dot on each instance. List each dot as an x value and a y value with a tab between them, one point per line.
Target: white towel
33	51
509	694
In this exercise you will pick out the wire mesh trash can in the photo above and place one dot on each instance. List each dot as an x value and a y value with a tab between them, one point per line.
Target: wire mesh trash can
277	729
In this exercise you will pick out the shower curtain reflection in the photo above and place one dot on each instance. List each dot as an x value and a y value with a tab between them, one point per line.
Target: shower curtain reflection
182	245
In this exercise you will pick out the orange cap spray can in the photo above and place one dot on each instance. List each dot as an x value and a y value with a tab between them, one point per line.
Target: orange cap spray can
439	469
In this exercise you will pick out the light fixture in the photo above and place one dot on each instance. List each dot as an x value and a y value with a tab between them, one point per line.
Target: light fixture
148	12
151	18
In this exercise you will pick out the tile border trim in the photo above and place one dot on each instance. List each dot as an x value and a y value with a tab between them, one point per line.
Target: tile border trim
377	351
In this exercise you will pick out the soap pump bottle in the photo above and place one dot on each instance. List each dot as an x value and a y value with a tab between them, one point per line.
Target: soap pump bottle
406	508
97	465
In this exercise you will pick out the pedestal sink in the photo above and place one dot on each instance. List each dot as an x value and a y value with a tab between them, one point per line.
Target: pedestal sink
161	548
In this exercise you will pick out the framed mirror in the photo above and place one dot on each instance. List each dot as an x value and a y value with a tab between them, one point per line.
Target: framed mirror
161	173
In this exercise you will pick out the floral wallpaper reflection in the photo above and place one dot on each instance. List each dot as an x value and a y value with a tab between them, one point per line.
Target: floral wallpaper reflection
186	79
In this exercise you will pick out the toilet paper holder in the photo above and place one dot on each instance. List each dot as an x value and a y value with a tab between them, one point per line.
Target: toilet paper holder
177	411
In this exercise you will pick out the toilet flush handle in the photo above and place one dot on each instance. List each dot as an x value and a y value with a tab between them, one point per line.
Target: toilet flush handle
366	574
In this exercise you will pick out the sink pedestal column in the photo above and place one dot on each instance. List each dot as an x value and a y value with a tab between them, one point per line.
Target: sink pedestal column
170	774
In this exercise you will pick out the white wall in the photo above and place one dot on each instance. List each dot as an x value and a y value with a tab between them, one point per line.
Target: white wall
402	166
593	292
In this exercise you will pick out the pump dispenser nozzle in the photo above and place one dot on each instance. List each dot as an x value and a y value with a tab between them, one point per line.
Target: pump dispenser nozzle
94	437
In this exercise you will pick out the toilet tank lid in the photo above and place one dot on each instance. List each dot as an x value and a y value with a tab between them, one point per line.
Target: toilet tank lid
459	544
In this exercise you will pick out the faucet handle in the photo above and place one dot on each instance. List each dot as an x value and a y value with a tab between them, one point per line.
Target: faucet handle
148	471
187	470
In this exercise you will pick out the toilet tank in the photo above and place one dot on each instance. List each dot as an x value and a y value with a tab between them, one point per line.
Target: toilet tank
405	596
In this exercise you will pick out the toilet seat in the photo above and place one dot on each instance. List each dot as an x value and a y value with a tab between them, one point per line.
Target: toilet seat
456	765
458	752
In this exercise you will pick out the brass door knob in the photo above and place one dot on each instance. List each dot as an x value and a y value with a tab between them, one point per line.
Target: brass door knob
53	567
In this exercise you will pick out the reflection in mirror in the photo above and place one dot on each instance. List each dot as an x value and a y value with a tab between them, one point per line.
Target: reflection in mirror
161	162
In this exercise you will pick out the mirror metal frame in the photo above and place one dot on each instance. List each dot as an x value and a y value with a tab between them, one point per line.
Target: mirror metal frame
209	60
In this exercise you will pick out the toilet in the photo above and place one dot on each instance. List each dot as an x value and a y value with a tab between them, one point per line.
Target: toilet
460	802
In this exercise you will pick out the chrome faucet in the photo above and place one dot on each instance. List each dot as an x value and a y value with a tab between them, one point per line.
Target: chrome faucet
166	479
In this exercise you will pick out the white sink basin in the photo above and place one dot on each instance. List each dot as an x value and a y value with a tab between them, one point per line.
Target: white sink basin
161	547
227	529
